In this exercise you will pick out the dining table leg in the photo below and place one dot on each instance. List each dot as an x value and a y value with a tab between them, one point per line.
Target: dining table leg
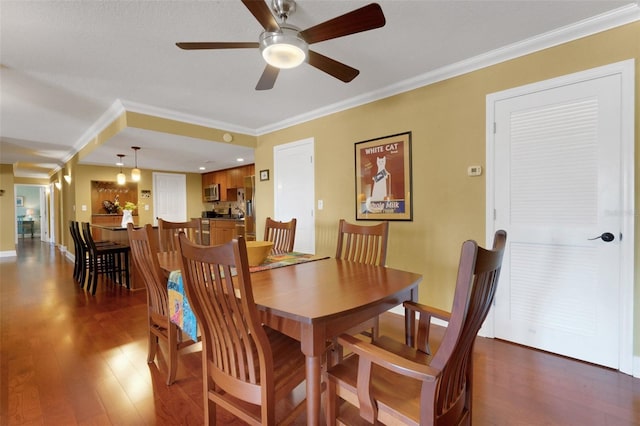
314	389
313	345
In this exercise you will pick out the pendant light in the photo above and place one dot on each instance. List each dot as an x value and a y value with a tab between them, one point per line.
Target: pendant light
120	177
135	172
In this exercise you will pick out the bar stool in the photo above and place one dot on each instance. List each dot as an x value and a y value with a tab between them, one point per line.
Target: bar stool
111	260
80	260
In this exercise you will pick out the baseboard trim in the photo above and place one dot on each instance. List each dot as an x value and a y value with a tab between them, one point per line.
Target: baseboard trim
8	253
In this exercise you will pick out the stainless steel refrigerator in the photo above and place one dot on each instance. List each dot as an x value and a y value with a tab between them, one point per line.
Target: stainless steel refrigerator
249	208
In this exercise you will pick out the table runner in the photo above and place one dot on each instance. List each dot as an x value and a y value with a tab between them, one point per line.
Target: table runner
181	313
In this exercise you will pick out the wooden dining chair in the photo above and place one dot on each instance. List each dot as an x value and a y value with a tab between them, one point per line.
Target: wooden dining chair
282	234
363	244
144	250
108	259
168	232
82	260
247	367
391	382
80	253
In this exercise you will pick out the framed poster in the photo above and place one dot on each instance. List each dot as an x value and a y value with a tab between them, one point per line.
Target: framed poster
383	178
264	174
19	201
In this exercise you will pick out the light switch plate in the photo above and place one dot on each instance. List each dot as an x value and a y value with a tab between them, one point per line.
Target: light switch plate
320	204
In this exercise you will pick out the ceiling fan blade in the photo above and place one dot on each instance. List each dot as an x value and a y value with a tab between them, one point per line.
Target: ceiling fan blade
332	67
268	78
262	13
363	19
216	45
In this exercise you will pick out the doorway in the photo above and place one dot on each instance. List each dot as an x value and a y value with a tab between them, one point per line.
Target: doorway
169	197
560	181
294	190
31	218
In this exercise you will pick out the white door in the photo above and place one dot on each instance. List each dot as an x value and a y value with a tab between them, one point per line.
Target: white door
294	190
561	174
52	213
169	197
44	216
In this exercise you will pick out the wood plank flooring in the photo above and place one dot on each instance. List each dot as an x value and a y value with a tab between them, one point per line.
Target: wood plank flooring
69	358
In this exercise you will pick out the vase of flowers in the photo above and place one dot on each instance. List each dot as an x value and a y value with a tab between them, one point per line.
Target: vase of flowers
127	213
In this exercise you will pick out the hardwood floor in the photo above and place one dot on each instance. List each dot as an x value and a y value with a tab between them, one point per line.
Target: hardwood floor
69	358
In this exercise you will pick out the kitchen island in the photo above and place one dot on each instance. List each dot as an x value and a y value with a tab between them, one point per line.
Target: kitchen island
119	235
216	231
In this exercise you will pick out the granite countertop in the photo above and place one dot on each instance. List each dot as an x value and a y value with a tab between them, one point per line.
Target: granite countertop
116	228
235	219
110	214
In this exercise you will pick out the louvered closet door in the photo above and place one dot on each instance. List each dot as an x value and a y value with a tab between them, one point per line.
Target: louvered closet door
557	184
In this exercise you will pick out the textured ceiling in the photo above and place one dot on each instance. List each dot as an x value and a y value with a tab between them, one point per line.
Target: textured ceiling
65	64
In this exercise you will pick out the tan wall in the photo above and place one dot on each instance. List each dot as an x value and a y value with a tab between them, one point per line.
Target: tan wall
88	173
7	209
447	120
7	205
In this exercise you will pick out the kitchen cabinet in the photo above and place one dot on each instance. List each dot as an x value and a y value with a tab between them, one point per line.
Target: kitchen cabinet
219	231
222	231
228	179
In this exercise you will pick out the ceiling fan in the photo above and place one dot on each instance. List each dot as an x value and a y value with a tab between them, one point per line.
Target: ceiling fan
286	46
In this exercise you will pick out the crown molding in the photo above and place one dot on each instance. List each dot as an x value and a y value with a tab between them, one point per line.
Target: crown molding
185	118
606	21
612	19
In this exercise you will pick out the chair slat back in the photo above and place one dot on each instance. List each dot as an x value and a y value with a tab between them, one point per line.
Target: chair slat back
78	243
282	234
478	273
144	250
88	237
363	244
168	231
235	345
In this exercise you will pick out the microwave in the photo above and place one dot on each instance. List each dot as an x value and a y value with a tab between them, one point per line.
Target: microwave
212	192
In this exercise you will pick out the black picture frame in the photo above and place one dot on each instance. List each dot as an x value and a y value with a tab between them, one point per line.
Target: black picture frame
264	174
384	179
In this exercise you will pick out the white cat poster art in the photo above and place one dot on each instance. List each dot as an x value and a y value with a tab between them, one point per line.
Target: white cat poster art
383	178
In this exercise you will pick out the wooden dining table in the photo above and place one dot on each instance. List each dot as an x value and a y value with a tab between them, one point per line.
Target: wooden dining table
314	302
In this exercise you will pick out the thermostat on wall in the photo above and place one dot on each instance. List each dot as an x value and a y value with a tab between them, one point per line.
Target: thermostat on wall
474	171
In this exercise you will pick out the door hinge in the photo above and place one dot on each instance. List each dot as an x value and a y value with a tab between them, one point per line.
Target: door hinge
495	214
494	127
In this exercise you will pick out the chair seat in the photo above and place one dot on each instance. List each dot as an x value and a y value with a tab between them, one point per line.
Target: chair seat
388	388
248	369
288	374
289	362
389	382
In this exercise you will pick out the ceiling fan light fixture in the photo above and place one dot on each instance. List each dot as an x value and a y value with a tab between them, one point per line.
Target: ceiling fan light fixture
283	49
